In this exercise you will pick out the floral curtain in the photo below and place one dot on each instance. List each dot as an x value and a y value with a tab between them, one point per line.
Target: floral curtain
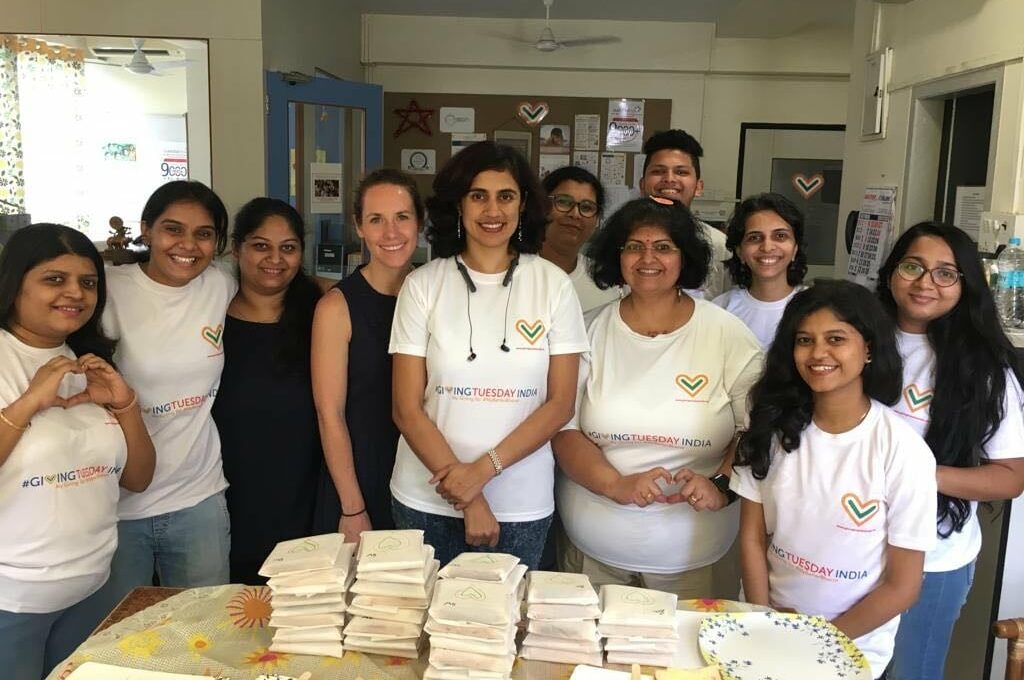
12	174
50	82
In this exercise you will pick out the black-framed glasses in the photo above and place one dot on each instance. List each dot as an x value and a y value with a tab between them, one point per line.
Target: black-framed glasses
943	277
564	203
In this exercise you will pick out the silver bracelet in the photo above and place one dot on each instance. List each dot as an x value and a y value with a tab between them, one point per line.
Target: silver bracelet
495	461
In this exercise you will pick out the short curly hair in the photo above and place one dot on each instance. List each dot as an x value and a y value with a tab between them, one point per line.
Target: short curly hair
676	219
737	227
453	182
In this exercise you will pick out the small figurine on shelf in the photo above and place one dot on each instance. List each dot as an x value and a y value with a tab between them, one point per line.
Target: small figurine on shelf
117	251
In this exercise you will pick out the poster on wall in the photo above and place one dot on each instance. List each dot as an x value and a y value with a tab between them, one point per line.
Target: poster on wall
325	188
457	119
871	237
625	125
554	138
173	162
588	160
588	132
613	169
460	140
520	141
970	203
419	161
549	162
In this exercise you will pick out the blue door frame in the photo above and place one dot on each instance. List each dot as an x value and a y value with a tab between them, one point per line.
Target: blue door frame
325	91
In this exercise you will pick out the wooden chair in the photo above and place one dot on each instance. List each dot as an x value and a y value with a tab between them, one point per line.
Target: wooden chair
1012	630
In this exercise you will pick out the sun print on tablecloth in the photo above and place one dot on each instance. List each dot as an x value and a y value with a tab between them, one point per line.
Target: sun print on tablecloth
144	643
265	659
250	608
199	644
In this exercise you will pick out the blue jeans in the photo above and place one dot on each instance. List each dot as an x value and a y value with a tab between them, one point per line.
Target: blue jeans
525	540
925	629
31	645
186	548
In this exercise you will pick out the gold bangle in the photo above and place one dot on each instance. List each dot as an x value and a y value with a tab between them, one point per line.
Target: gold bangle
124	409
11	423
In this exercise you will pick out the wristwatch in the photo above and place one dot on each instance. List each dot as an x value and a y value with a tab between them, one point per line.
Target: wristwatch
721	482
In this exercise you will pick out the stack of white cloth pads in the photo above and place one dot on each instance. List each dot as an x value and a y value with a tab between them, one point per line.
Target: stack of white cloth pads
562	610
474	617
308	579
639	625
395	577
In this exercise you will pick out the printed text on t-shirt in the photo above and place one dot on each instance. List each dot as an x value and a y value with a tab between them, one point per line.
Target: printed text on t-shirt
812	568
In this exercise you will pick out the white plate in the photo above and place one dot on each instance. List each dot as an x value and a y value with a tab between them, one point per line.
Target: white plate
774	645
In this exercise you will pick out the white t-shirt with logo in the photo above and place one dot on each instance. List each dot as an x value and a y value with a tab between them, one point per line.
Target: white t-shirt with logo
831	508
58	492
475	404
675	400
761	317
170	350
915	405
718	279
591	297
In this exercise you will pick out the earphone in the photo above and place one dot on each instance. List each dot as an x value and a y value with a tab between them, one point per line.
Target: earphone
471	288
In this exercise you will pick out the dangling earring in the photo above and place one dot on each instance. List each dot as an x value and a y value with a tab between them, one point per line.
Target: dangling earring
458	228
519	228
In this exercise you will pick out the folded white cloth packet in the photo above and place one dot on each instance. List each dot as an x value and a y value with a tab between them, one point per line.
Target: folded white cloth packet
454	673
482	662
549	587
305	609
535	640
302	600
567	630
561	656
384	651
476	646
641	645
458	601
302	554
319	634
563	612
416	575
476	566
628	606
420	592
640	632
471	631
359	625
334	649
401	615
306	620
390	550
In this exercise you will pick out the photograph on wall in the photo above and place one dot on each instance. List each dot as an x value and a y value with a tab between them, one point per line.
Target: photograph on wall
419	161
554	139
625	125
588	160
457	119
588	132
325	188
520	141
549	162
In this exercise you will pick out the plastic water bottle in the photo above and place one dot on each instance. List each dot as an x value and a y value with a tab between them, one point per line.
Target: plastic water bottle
1010	295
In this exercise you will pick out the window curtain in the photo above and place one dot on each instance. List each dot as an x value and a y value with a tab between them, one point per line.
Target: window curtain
12	173
51	111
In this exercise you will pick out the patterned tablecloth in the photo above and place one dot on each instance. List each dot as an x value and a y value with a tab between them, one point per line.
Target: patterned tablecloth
222	631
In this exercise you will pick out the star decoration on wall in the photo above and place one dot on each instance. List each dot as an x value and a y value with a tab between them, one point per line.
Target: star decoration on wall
414	117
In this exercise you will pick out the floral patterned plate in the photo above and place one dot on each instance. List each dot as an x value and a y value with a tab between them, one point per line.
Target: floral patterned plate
774	646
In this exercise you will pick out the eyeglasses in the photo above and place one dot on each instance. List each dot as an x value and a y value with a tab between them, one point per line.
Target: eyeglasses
658	248
564	203
943	277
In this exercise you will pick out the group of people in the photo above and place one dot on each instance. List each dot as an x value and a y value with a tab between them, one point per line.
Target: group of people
193	418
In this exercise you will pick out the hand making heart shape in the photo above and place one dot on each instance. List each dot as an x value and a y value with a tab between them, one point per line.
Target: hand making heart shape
104	385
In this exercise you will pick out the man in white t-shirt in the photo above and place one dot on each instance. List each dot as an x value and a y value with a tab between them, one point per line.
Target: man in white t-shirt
576	203
672	170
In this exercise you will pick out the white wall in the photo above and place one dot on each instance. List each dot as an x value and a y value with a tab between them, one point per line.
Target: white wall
300	35
714	84
233	30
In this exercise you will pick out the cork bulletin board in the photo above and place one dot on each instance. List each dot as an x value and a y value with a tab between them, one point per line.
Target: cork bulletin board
498	114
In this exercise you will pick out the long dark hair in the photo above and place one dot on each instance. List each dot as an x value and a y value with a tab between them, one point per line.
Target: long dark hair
737	229
972	354
38	243
295	328
453	182
781	403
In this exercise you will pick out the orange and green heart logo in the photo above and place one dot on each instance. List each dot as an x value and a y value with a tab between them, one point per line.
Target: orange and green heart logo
860	511
808	186
916	397
50	479
532	332
532	113
470	593
390	543
692	384
213	335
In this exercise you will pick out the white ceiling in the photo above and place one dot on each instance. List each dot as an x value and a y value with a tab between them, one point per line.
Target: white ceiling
734	18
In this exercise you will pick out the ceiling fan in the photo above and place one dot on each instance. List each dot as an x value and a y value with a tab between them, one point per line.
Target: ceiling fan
546	41
139	58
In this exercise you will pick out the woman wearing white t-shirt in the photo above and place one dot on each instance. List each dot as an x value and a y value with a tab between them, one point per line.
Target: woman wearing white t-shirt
486	341
663	393
62	456
167	315
768	264
962	393
838	492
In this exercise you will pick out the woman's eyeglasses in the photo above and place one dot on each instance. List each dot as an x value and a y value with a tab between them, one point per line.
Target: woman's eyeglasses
943	277
658	248
564	203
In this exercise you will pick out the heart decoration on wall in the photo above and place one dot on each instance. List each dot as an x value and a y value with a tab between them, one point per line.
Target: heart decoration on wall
532	113
808	186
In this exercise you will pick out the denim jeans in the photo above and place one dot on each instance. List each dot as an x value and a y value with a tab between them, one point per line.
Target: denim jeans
31	645
925	629
525	540
186	548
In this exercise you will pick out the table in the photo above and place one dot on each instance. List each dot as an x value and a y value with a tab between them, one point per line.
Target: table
222	630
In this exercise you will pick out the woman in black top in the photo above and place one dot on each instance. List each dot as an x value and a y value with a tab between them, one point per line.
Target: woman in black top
351	364
264	409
